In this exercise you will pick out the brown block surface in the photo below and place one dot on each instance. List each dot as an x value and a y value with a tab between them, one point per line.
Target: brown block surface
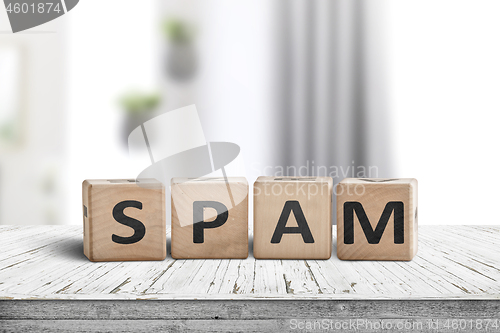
209	218
377	201
123	220
291	200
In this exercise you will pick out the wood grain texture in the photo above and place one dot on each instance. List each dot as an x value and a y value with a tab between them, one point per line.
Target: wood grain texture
47	263
414	324
240	315
227	241
99	199
260	309
312	197
375	195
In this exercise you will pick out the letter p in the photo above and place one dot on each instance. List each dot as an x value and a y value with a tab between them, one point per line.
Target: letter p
199	225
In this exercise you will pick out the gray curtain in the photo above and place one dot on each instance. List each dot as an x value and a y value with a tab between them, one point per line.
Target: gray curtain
331	87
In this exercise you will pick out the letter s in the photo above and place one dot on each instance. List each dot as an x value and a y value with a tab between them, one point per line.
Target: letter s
120	217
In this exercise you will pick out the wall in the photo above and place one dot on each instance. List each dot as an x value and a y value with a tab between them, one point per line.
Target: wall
107	57
33	172
444	70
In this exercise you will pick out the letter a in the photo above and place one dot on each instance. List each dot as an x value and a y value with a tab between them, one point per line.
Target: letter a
303	227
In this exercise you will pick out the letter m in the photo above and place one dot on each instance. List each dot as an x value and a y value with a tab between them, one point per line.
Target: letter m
373	236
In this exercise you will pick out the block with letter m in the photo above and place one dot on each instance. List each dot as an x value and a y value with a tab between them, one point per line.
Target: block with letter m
377	219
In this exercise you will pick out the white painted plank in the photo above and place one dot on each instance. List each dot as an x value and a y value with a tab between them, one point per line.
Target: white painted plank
269	277
45	262
240	278
299	278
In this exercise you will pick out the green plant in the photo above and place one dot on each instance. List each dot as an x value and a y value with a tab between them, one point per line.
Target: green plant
178	31
137	102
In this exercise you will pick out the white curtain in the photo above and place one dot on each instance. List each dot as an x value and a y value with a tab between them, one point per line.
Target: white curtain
332	90
294	83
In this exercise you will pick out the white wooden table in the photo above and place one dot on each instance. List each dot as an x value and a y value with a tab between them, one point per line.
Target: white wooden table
456	274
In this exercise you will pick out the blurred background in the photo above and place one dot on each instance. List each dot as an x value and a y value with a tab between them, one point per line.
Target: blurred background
338	88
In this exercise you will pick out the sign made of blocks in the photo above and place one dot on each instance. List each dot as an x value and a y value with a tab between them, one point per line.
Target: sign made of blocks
377	219
124	220
209	218
292	218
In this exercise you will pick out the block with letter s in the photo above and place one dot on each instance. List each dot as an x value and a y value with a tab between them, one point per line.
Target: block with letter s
124	220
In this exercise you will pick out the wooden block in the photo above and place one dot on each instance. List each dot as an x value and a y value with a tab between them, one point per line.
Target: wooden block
124	220
209	218
377	219
292	218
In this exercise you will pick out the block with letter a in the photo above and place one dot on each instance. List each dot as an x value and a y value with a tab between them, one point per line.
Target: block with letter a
377	219
292	218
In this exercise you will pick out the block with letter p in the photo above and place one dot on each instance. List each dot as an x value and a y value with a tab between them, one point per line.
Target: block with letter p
377	219
292	218
209	218
124	219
